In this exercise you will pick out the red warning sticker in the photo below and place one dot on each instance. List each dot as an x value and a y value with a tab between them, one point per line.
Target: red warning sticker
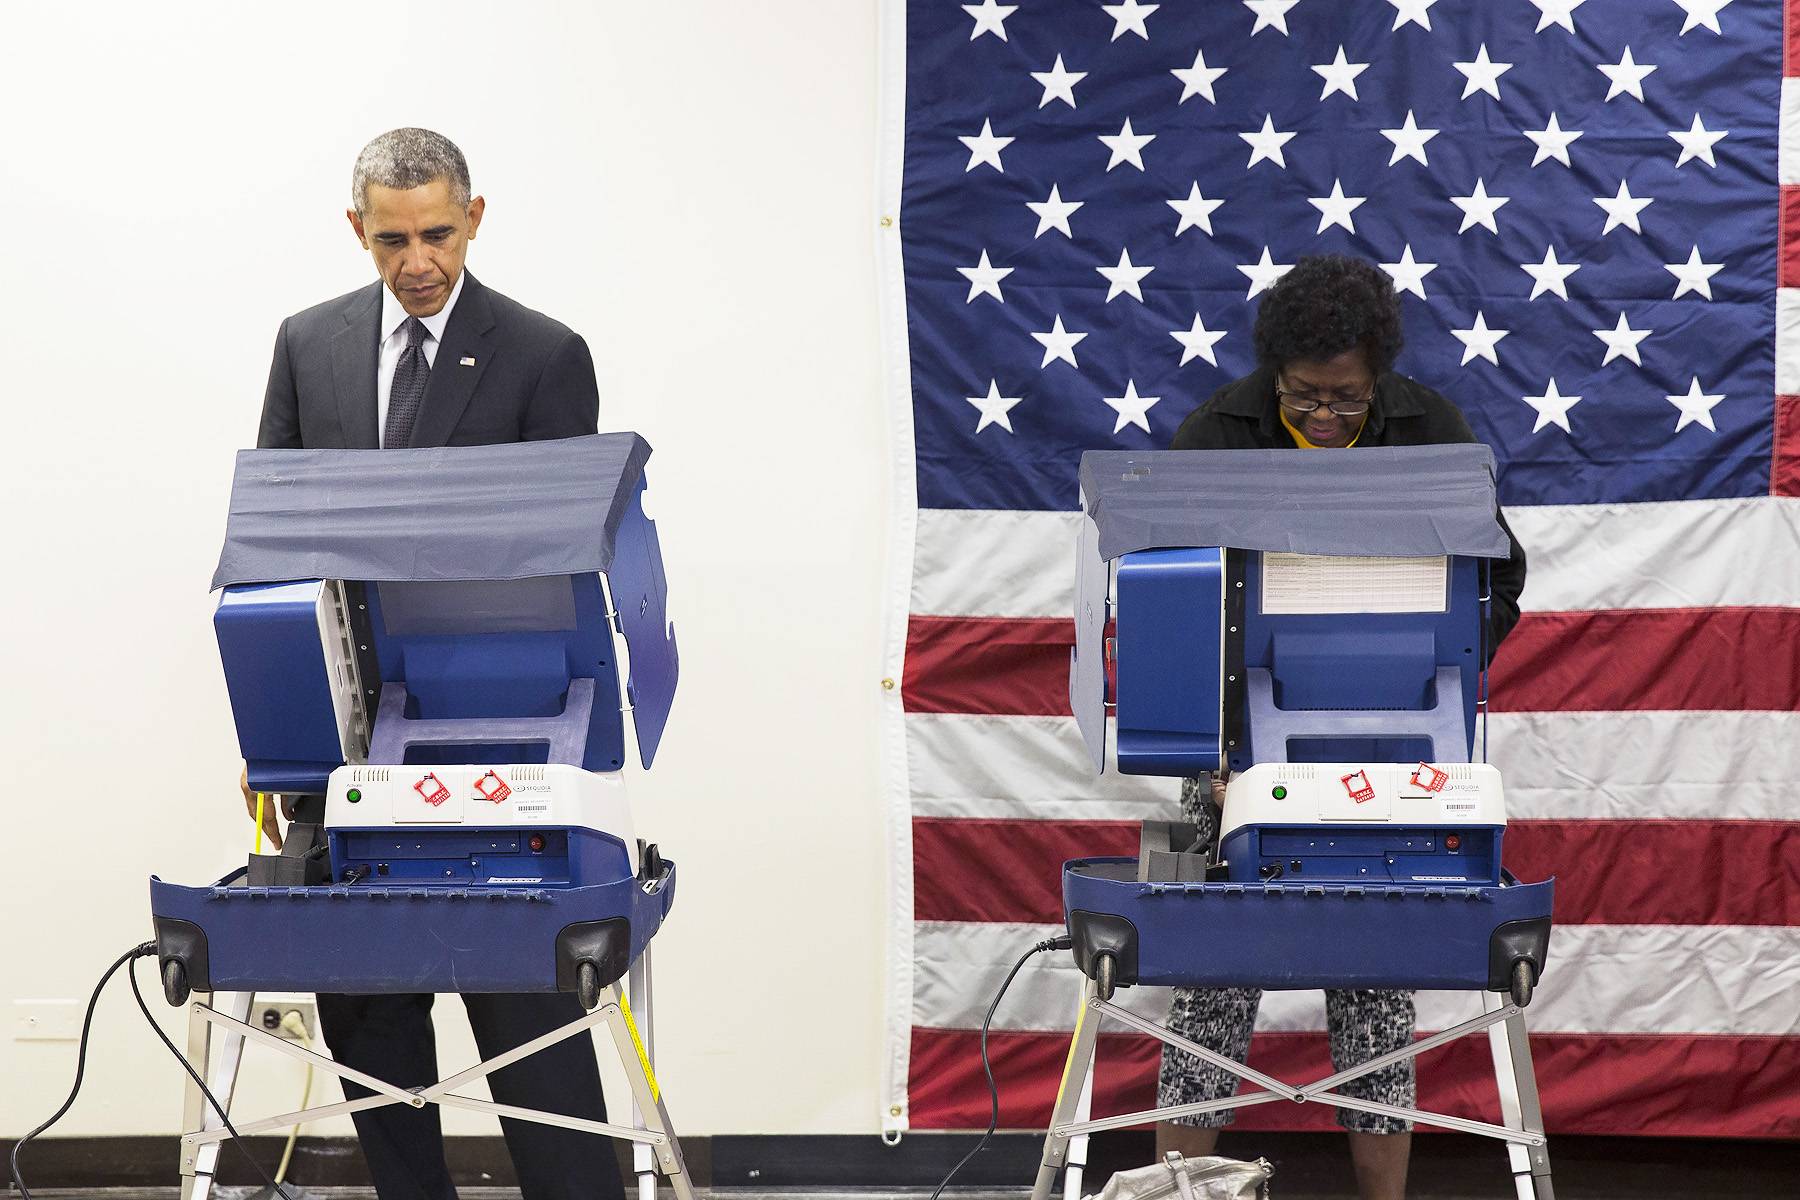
1357	784
432	790
1430	778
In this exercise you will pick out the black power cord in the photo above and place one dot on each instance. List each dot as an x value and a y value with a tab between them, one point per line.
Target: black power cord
275	1188
1056	943
143	950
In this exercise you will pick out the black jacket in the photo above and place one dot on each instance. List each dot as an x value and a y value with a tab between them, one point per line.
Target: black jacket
1242	416
504	373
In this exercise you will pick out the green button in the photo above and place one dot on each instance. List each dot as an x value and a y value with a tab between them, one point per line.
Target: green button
353	795
1279	792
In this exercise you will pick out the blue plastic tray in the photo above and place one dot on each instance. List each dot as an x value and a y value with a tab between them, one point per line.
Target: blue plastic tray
366	938
1286	936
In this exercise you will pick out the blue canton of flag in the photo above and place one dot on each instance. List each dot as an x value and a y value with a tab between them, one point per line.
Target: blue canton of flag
1576	198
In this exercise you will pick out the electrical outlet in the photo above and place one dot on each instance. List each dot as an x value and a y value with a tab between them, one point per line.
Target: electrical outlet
46	1020
271	1007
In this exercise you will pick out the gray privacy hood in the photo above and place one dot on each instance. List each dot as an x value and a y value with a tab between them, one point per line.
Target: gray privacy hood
430	515
1406	501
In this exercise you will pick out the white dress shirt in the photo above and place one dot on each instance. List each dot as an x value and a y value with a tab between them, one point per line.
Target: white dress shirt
393	341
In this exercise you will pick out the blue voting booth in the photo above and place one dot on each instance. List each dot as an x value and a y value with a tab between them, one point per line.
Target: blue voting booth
1314	625
448	656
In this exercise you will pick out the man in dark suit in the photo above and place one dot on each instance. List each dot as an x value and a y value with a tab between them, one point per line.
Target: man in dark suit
428	356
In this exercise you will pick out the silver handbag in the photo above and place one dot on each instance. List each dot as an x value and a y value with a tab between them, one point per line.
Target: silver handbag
1178	1178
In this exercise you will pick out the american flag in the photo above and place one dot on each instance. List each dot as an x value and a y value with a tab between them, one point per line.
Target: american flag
1584	206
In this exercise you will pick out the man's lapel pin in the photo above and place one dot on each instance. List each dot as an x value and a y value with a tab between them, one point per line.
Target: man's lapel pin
468	361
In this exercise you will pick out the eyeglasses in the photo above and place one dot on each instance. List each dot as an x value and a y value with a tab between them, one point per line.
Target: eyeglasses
1338	402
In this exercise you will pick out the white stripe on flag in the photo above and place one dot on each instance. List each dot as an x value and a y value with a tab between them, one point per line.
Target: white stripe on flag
1694	766
1645	979
1787	163
1675	554
1022	767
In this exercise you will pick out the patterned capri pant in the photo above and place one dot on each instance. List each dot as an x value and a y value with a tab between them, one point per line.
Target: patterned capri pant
1362	1024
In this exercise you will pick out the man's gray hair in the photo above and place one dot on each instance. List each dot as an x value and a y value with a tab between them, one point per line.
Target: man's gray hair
406	159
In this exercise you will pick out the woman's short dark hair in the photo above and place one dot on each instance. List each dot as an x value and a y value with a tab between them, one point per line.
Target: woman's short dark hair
1327	304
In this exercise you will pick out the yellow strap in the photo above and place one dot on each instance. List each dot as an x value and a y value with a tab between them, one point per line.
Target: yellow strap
259	821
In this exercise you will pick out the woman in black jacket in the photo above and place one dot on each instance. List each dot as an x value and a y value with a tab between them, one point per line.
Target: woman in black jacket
1326	339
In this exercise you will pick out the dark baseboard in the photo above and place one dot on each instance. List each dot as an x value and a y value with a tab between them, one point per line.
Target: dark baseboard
1312	1164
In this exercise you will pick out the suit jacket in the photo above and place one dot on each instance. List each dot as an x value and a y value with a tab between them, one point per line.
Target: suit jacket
532	377
1242	416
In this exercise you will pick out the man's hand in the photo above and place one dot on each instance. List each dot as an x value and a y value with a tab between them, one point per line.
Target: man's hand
271	826
1220	778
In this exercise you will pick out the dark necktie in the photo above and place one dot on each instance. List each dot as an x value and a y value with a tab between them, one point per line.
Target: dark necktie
407	392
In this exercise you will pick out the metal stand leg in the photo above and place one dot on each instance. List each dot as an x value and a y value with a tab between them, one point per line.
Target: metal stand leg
1070	1093
646	1093
215	1052
199	1160
1078	1145
1519	1108
643	1159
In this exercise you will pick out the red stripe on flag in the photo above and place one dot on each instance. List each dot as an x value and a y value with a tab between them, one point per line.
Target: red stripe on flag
1010	666
1607	660
1790	65
1784	472
1607	872
1787	269
1609	1084
1651	660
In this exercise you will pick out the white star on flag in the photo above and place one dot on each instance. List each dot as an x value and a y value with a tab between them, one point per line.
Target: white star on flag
1623	209
1409	276
1132	408
1409	141
1197	341
1125	277
1130	16
1622	341
1552	142
1693	275
1702	12
994	407
984	279
1059	83
1198	79
1126	146
989	18
1266	143
1482	75
1196	211
1552	407
1270	14
1336	208
1696	407
1627	75
1262	273
1053	213
1340	75
1058	343
1549	275
1479	341
1478	208
1557	12
1697	141
1416	11
985	147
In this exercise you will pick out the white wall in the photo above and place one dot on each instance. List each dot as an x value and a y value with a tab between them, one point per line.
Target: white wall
689	186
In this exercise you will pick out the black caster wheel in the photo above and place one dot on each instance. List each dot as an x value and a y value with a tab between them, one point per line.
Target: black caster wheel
1104	967
587	985
175	982
1524	976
